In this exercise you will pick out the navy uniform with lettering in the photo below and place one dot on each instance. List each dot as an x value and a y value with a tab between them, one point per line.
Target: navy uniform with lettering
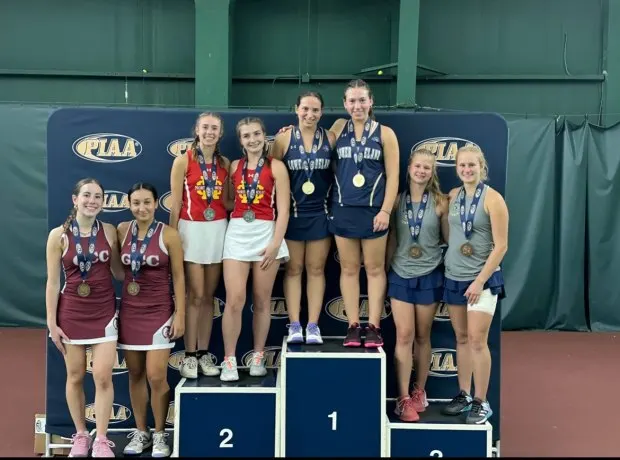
311	179
355	201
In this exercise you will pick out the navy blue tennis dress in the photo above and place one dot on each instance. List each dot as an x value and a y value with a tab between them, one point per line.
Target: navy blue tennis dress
311	179
359	187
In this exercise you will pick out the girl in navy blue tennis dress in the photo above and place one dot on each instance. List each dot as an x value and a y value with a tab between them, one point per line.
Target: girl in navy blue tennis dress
415	281
478	219
306	151
365	188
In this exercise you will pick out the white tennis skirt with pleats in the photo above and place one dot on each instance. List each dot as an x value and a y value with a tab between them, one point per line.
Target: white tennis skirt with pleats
203	242
245	240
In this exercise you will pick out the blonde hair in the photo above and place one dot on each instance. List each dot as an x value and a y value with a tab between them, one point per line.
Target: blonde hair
433	184
484	167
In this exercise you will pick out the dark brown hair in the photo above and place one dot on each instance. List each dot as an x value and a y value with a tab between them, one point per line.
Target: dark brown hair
359	84
250	120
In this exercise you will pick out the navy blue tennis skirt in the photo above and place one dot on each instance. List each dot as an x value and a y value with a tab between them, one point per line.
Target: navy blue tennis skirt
421	290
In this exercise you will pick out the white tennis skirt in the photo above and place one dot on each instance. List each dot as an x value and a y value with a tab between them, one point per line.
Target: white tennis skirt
203	242
245	240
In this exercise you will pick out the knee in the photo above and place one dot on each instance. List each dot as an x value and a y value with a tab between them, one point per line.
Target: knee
350	269
75	377
135	375
197	300
422	337
477	342
461	337
315	270
261	302
293	269
404	336
158	381
102	378
235	302
375	269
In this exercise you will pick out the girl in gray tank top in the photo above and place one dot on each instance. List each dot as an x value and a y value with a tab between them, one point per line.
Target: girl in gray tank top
478	222
415	280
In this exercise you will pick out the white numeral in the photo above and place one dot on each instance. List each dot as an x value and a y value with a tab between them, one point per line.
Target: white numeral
334	417
228	433
436	453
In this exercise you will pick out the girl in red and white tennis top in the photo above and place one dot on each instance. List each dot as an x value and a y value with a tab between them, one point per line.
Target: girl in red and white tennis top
201	199
83	313
150	318
254	239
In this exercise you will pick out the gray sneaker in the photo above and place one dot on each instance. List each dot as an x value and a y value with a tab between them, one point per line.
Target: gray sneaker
229	370
295	334
257	365
461	403
160	446
207	366
140	441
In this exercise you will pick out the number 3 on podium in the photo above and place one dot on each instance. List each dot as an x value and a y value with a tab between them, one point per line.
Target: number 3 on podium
334	417
436	453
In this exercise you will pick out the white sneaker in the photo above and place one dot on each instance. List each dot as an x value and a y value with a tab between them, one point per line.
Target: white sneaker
189	367
160	446
229	370
207	366
257	365
140	440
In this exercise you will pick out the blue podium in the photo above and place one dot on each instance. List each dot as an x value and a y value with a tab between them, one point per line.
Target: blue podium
437	435
332	400
228	419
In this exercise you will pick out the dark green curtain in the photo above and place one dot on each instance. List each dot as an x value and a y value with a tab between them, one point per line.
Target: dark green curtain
23	233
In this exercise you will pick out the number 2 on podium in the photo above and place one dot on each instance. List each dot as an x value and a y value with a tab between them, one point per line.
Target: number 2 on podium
334	417
226	441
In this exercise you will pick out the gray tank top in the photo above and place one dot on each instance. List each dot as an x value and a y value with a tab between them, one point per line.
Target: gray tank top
402	263
458	266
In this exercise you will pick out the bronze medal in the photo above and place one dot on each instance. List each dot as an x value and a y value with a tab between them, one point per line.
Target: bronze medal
83	289
133	288
415	252
467	249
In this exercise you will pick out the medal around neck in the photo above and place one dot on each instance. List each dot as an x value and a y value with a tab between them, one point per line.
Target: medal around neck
83	289
249	216
359	180
308	188
133	288
415	251
467	249
209	214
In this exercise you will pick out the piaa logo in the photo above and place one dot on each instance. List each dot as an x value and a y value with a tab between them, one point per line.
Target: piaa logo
442	313
443	362
118	414
179	147
218	307
335	309
170	414
107	148
277	308
115	201
272	357
165	201
119	366
175	359
444	148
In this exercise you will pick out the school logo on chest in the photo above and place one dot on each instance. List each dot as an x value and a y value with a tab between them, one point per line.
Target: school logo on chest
101	256
202	191
151	261
260	193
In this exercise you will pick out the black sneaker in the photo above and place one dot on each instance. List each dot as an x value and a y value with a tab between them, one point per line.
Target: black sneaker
480	412
373	337
461	403
354	336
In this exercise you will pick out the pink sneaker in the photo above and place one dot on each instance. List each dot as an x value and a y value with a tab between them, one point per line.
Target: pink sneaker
405	410
418	399
81	444
102	447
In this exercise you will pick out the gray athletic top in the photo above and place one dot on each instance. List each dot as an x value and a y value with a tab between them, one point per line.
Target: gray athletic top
458	266
402	263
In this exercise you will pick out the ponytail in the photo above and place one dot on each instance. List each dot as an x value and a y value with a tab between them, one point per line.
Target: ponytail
69	219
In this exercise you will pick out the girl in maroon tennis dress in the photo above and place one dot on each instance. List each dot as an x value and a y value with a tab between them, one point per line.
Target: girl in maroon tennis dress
83	312
150	317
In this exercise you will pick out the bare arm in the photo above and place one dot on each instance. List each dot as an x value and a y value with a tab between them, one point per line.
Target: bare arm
337	127
392	240
391	155
172	241
283	199
52	287
280	145
116	266
442	209
121	234
177	177
498	213
227	192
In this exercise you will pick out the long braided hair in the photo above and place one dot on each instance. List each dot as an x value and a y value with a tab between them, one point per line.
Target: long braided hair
217	155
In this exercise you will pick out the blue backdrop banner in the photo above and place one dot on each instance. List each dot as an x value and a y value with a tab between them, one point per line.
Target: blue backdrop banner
122	146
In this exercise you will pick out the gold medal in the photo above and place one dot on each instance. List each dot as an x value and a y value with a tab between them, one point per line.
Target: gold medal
467	249
415	252
358	180
83	289
308	188
133	288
